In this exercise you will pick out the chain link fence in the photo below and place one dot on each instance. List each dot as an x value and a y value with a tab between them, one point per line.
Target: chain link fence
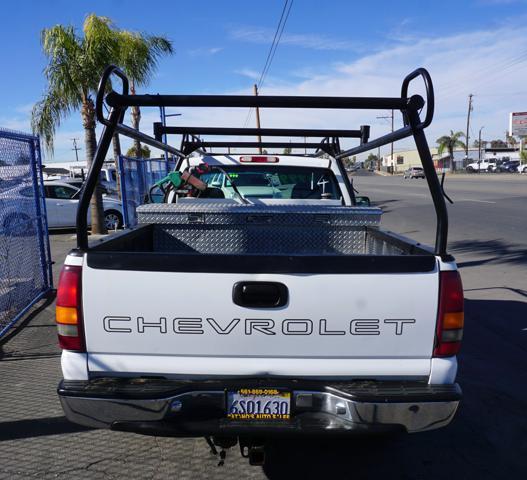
25	260
136	177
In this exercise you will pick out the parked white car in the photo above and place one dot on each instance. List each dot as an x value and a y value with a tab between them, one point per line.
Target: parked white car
62	200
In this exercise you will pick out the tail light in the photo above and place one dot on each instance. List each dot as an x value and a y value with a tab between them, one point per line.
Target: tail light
69	311
450	318
259	159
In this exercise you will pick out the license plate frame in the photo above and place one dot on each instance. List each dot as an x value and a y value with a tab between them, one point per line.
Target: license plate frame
258	404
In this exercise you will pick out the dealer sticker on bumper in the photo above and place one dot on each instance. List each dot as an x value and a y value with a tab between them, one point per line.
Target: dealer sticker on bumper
259	404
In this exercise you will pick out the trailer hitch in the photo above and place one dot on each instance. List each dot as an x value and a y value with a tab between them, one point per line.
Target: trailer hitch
254	450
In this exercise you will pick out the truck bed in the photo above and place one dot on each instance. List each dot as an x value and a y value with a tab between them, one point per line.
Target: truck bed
233	229
174	281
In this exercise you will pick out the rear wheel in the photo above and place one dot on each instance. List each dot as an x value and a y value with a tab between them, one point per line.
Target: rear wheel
113	219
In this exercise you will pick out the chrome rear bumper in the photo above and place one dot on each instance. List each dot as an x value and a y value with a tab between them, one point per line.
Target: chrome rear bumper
323	410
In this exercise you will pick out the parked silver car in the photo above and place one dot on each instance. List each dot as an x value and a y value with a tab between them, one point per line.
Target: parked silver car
414	172
61	204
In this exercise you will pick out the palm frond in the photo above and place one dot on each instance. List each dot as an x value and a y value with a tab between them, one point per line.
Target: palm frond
138	54
160	45
46	117
75	64
450	142
460	144
100	48
62	47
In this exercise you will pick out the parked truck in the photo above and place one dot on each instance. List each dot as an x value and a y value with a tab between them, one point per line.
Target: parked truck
241	314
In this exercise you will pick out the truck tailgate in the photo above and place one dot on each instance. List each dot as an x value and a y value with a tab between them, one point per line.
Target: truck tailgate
181	323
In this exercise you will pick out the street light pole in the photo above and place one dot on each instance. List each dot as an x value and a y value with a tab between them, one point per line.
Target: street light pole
391	148
468	125
479	144
76	149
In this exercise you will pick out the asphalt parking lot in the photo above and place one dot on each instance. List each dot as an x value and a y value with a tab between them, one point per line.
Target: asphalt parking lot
487	440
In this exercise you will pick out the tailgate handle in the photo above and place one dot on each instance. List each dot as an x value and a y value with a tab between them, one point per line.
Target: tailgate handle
260	294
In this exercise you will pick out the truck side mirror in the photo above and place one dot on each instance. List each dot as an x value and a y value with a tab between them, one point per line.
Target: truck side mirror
362	201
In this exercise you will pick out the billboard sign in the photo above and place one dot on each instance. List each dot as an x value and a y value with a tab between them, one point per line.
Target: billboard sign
518	124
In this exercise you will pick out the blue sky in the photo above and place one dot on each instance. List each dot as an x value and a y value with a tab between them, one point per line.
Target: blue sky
330	48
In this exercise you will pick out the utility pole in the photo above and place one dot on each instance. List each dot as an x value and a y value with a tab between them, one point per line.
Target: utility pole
76	148
479	145
391	148
258	118
468	125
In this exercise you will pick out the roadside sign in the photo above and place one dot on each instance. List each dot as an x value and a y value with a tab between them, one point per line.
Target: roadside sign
518	124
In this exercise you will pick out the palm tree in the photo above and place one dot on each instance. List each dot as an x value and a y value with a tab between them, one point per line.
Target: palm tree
145	152
450	142
75	64
510	140
137	55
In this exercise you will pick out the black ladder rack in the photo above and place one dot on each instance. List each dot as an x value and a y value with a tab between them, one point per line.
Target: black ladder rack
192	141
410	107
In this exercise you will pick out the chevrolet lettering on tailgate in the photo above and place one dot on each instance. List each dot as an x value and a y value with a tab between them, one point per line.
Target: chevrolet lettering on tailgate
250	326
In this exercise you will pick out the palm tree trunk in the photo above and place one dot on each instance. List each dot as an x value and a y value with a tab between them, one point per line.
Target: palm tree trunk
90	141
136	119
452	163
116	154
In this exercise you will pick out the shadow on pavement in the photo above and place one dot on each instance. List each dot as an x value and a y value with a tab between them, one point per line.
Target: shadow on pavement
19	327
494	251
383	204
38	427
62	231
519	291
486	440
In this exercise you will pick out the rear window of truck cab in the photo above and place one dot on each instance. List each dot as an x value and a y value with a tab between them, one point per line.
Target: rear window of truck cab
272	181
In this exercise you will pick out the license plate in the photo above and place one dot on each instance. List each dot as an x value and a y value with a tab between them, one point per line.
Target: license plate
259	404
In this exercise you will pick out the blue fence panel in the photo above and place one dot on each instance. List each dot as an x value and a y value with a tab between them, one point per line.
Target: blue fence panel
25	259
136	177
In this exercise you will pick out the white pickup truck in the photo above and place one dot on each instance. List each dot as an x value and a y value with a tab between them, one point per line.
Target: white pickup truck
249	316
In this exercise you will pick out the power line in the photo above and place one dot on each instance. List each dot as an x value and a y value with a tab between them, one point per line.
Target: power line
497	70
272	50
264	74
490	68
